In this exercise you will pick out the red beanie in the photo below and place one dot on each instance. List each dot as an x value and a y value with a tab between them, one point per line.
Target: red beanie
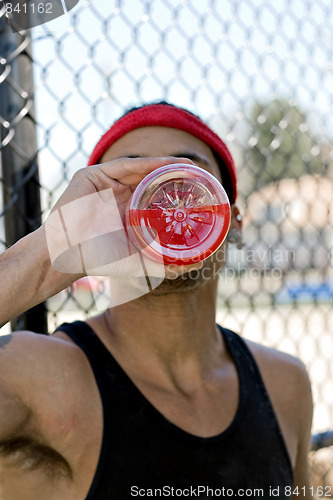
166	115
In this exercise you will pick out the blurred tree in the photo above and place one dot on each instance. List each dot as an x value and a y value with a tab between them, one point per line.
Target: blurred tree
280	145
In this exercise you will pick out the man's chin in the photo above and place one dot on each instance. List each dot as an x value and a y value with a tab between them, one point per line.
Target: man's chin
181	284
189	281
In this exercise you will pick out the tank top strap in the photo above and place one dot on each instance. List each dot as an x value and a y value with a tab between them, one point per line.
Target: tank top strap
252	386
85	337
250	379
244	360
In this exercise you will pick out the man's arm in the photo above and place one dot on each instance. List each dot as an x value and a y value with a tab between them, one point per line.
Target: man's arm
288	385
301	479
27	276
26	273
32	369
14	414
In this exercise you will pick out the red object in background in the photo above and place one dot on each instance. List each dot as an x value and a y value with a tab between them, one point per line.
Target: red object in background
180	213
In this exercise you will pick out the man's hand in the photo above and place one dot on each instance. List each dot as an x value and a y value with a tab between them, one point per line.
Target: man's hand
121	175
84	234
85	231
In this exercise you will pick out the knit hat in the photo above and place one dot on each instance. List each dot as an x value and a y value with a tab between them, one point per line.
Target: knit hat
166	115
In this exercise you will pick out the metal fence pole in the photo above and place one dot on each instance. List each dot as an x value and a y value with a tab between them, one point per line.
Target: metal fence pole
20	180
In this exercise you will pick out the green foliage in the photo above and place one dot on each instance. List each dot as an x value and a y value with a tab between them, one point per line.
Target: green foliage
280	145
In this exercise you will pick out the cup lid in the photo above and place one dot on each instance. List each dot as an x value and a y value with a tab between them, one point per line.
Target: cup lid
180	212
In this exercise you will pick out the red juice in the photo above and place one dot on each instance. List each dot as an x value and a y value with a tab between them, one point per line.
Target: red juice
183	234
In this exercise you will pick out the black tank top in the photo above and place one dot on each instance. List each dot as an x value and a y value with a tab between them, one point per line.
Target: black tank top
144	455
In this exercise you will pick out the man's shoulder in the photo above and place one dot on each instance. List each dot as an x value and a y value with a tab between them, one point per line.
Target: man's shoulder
287	382
278	367
24	346
42	375
28	360
278	362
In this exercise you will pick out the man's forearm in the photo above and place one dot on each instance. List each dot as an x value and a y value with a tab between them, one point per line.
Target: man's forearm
27	277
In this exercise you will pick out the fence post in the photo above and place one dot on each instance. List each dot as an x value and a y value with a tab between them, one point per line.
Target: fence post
18	152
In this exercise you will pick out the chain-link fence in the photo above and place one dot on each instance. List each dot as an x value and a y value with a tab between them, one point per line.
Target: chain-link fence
260	73
321	465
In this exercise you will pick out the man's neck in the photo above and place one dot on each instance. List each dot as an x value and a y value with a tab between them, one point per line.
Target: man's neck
172	333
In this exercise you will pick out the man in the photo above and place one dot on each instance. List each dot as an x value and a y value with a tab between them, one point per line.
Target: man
150	398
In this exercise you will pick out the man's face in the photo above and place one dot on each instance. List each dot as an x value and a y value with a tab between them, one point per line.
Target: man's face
162	142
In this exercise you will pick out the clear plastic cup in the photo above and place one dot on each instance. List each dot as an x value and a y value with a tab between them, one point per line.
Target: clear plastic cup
179	213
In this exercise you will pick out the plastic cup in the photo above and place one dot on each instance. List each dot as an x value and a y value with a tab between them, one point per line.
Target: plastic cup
179	213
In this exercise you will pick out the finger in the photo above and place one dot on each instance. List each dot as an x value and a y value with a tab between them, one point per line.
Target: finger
130	171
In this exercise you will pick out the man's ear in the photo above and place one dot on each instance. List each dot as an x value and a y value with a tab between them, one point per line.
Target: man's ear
235	234
236	219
